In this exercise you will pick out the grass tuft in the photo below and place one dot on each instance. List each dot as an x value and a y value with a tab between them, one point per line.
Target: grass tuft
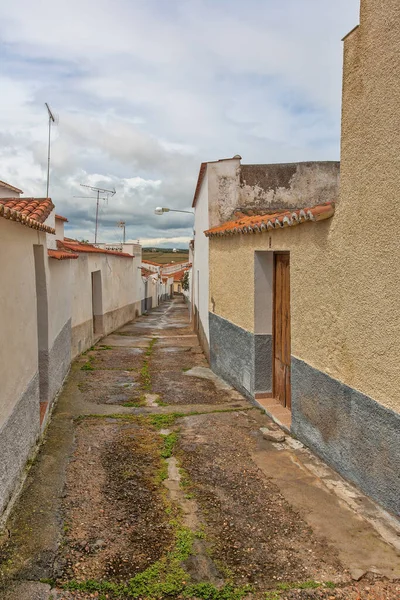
159	421
87	367
169	444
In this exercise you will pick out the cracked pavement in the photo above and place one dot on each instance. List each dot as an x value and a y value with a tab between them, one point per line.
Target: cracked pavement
145	443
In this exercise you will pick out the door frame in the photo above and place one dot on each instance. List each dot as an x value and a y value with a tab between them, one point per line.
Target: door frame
278	252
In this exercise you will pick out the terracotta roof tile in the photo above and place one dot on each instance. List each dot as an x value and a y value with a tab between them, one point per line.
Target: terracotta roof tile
179	274
150	262
60	255
37	209
31	212
277	220
175	264
75	246
60	218
146	272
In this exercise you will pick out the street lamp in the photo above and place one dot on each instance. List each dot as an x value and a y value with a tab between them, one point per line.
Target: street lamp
160	210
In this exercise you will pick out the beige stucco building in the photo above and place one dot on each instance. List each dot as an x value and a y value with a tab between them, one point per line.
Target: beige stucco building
321	286
226	188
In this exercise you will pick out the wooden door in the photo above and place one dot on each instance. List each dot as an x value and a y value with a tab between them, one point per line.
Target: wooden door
282	329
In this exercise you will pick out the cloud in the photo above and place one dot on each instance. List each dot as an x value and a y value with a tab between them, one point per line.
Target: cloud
145	91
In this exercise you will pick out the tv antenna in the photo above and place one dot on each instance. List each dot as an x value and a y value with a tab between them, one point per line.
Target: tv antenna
52	119
98	191
122	224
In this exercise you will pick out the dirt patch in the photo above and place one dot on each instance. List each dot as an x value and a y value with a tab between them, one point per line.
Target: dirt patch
174	331
175	388
114	512
110	386
184	341
115	358
130	331
169	359
364	591
367	590
253	530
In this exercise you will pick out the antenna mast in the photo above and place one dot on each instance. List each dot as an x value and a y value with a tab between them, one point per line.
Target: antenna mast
122	224
103	191
51	120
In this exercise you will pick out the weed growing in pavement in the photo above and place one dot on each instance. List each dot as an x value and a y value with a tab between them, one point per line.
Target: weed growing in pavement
169	443
184	481
302	585
87	366
50	582
88	350
164	578
208	591
145	375
149	350
272	596
159	421
162	474
161	403
200	534
145	370
136	404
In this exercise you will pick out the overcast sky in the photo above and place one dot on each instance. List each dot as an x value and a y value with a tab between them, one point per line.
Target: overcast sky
145	90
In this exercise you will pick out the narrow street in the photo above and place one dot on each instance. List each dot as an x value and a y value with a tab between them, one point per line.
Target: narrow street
155	481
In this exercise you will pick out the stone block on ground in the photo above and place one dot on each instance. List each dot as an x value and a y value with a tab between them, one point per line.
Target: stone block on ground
272	435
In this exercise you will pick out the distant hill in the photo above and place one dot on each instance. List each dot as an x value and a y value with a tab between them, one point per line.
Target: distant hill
165	256
164	250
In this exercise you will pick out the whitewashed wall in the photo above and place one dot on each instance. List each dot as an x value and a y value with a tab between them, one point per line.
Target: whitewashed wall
19	389
200	264
120	297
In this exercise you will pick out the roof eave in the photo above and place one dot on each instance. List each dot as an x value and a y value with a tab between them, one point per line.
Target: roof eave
202	172
274	221
14	215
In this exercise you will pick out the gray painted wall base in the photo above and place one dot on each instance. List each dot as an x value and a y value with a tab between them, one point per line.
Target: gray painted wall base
350	431
240	357
201	334
18	436
146	304
54	365
263	351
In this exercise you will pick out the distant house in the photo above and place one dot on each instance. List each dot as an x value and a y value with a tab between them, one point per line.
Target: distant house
7	190
178	277
302	297
158	284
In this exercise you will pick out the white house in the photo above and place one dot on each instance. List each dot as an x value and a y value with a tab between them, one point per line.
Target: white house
7	190
58	296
